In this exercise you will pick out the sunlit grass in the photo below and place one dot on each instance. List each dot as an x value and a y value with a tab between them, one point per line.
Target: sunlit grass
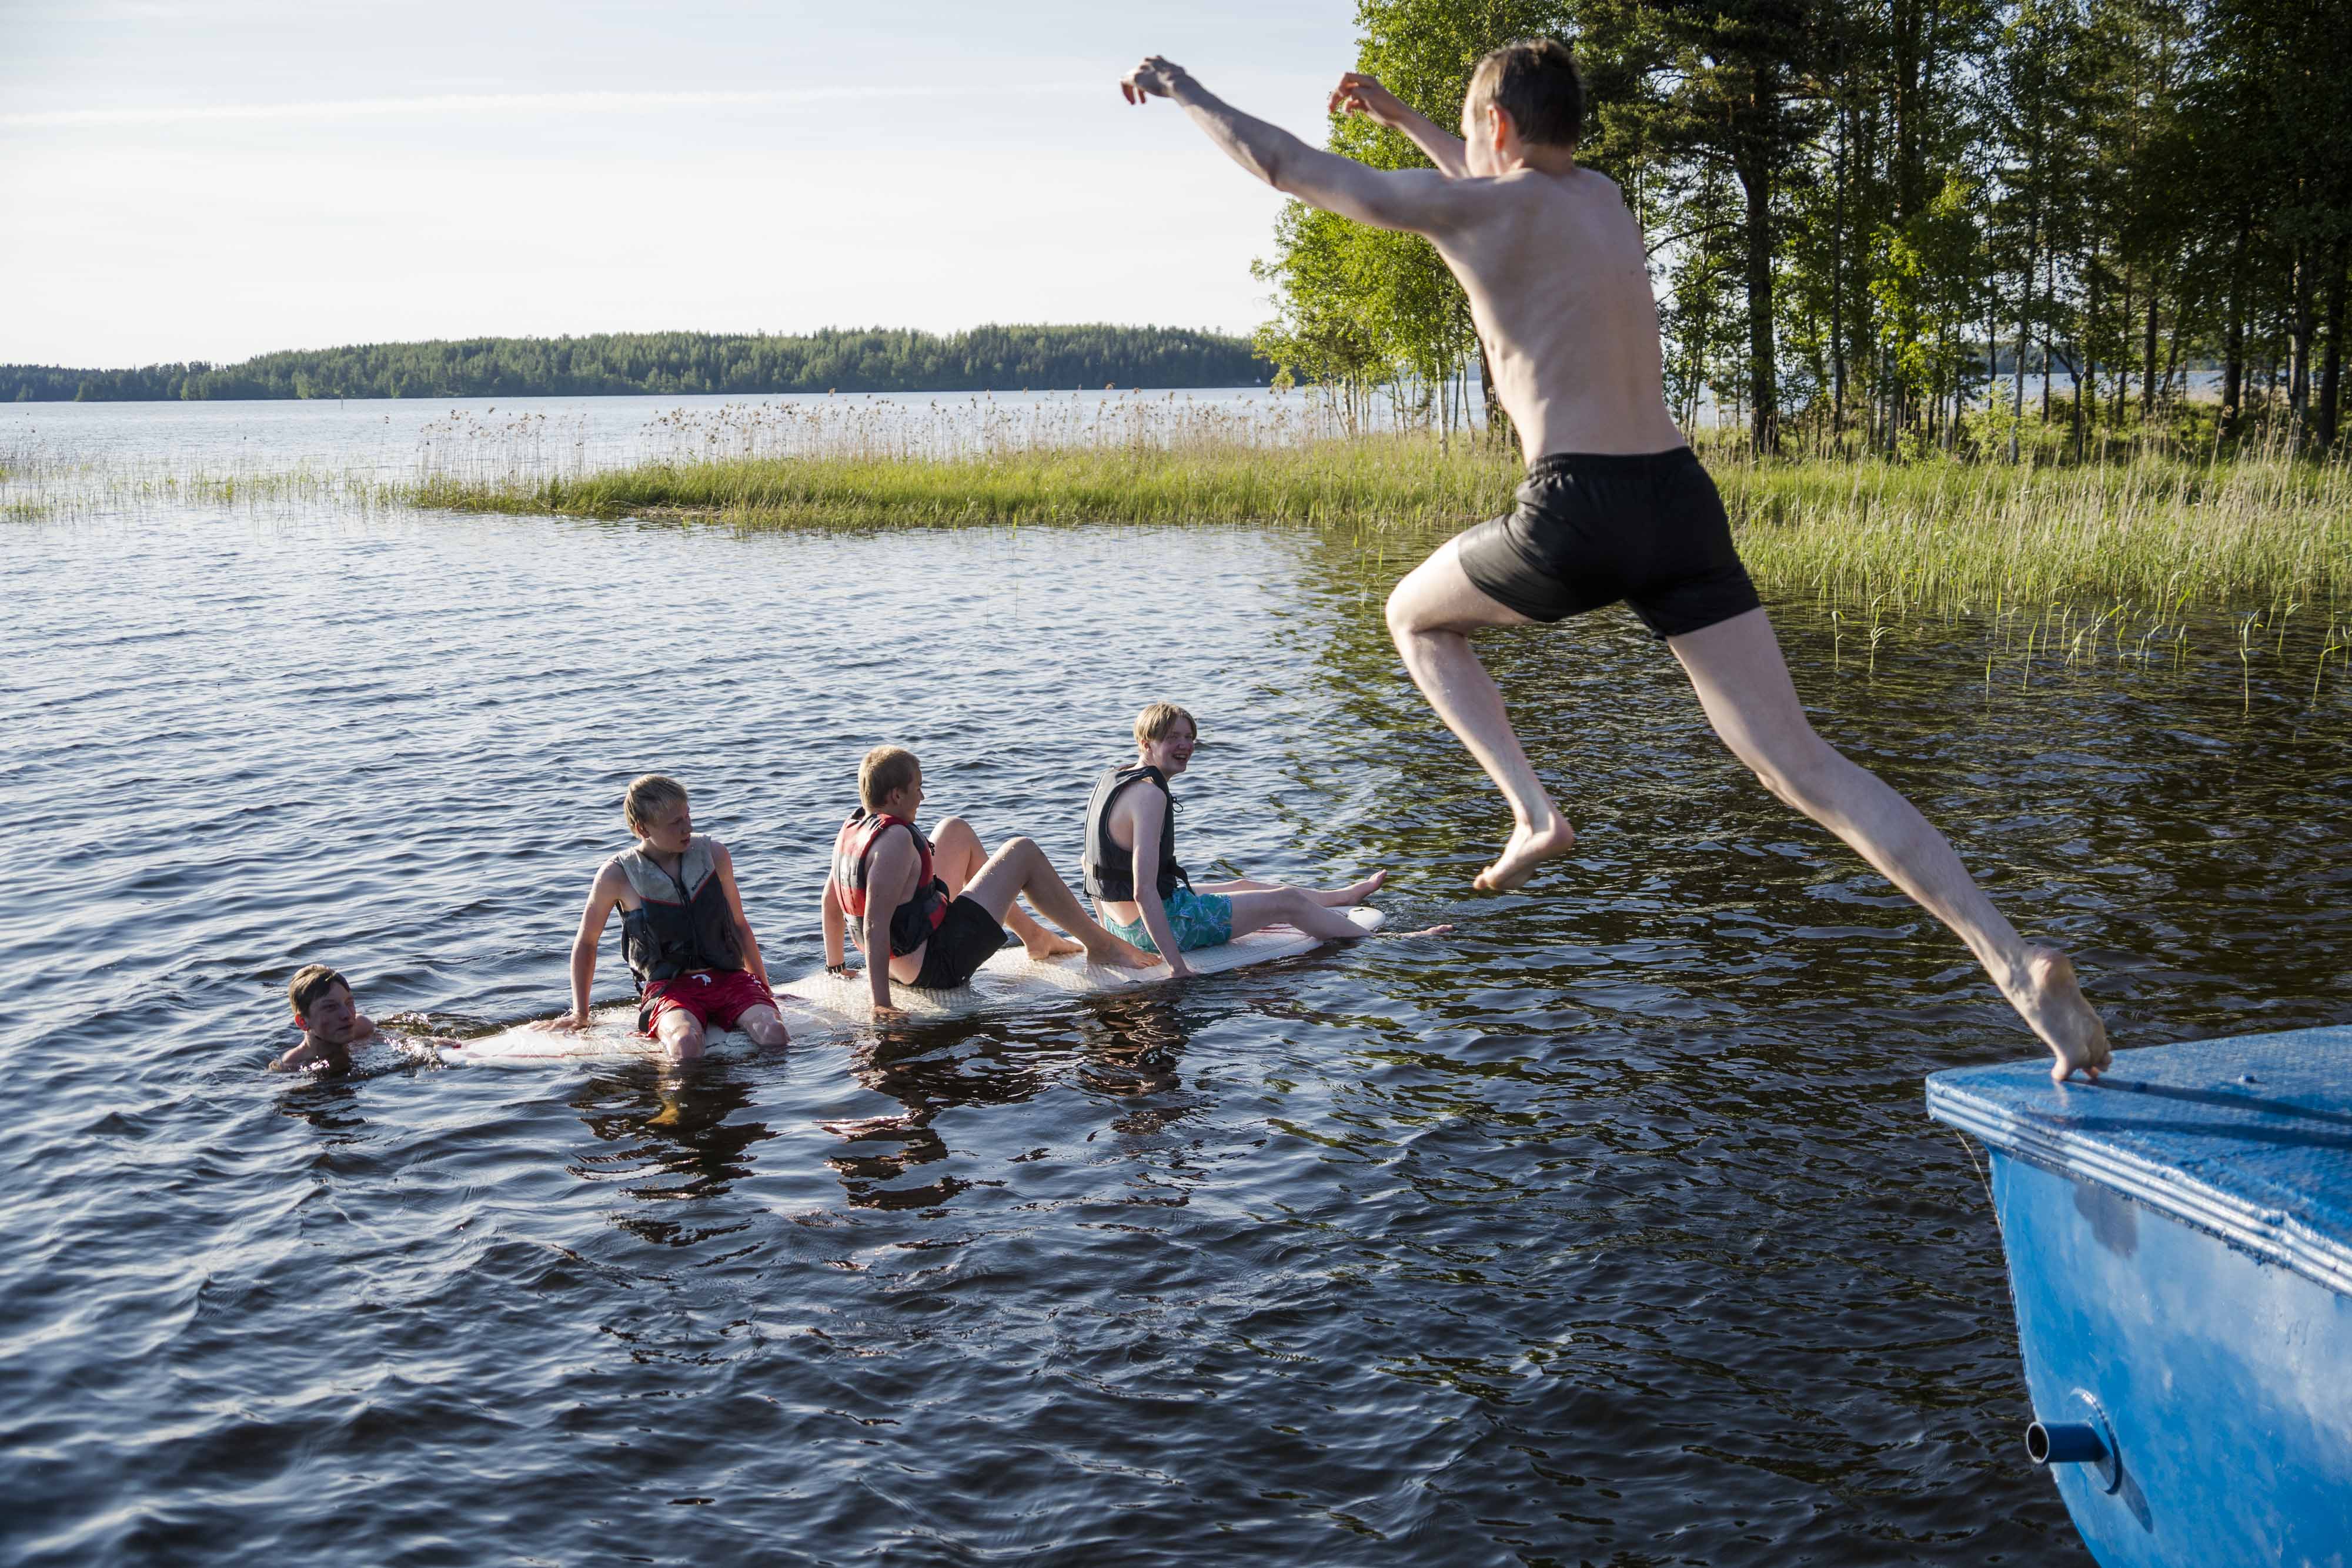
2253	532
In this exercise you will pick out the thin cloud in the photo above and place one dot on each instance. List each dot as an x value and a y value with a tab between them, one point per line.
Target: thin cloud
477	103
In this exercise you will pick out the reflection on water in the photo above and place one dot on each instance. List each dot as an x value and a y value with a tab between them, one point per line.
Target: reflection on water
1607	1230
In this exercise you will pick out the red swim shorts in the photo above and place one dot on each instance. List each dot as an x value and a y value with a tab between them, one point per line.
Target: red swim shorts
716	998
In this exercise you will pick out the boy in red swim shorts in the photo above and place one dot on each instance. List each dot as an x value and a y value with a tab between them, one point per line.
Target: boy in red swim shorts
683	931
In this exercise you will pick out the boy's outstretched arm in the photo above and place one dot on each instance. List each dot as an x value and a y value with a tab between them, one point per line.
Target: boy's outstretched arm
1361	94
1421	201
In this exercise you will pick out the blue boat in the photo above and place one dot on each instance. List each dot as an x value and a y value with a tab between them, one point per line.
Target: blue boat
2180	1239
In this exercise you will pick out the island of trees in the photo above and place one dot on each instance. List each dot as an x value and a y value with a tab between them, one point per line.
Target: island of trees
1003	358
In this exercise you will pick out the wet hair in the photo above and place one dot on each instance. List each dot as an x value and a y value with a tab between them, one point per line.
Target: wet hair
648	795
310	982
1154	723
886	770
1534	81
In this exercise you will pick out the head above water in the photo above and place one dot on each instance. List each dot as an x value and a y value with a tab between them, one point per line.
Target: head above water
321	999
1165	736
1526	105
887	771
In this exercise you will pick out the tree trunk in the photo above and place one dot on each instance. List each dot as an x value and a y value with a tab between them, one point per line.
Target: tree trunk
2148	361
2301	327
1756	181
1498	424
2233	337
2331	368
1837	287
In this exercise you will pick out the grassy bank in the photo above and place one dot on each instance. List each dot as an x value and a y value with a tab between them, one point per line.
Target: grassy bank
2157	531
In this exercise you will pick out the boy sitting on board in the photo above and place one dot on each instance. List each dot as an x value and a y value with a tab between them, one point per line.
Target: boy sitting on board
329	1021
1141	892
928	912
683	931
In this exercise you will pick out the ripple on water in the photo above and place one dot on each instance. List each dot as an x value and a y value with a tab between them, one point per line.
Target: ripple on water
1607	1230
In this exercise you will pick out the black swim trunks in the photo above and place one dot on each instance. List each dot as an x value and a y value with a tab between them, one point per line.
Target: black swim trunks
964	939
1592	529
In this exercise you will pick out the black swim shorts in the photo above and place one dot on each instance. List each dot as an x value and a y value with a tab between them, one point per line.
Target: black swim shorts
1592	529
964	939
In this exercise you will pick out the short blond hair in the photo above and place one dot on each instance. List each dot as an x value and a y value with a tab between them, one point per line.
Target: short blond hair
886	770
1154	723
648	795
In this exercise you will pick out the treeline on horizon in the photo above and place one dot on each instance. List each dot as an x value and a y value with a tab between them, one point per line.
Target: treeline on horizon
1857	209
1043	357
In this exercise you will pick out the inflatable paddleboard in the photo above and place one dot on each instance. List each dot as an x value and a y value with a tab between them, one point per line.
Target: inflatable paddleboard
1012	978
611	1036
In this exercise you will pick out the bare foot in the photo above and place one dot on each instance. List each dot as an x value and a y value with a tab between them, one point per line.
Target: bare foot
1346	897
2054	1007
1047	945
1529	848
1113	952
1426	931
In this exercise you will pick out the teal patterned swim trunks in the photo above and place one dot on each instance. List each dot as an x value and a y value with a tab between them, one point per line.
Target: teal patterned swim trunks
1198	919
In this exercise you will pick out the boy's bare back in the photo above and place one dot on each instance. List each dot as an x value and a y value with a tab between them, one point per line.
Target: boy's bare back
1560	287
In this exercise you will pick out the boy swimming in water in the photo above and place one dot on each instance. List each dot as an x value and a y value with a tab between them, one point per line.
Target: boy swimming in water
1140	891
930	911
330	1022
1615	506
683	931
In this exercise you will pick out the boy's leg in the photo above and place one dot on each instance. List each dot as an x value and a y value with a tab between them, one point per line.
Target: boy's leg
1429	615
1346	897
1736	669
1296	906
762	1024
1020	868
680	1033
957	856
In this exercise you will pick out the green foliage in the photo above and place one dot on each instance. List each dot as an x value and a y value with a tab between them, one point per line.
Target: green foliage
1873	220
1010	357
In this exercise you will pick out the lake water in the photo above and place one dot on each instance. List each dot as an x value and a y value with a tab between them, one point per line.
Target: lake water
1609	1230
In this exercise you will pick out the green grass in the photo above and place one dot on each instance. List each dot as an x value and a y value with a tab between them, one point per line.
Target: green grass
2163	532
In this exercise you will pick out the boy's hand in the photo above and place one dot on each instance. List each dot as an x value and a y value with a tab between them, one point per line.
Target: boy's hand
884	1012
1178	969
1361	94
569	1023
1156	77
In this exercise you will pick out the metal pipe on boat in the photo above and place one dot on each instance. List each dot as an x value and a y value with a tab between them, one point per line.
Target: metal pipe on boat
2064	1443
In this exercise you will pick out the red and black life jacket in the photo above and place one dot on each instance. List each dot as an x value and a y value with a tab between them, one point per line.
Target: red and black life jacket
912	923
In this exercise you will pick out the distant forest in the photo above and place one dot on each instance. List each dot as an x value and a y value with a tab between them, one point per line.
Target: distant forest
999	358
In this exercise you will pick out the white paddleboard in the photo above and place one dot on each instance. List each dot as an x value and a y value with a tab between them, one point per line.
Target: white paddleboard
611	1036
1012	977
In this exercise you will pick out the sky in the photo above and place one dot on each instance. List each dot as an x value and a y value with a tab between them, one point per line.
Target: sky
215	179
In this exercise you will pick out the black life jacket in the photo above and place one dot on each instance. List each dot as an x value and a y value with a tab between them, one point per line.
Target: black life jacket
912	923
1111	870
682	922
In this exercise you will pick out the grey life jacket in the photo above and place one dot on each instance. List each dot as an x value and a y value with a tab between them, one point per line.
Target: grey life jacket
1111	870
683	923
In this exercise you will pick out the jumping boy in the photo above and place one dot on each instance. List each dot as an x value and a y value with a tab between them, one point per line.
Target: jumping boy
930	911
683	931
1615	505
330	1022
1140	891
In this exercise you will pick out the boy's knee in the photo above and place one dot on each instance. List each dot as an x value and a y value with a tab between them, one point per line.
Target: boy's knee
1402	623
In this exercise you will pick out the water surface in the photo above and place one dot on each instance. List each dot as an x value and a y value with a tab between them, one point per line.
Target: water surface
1608	1230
